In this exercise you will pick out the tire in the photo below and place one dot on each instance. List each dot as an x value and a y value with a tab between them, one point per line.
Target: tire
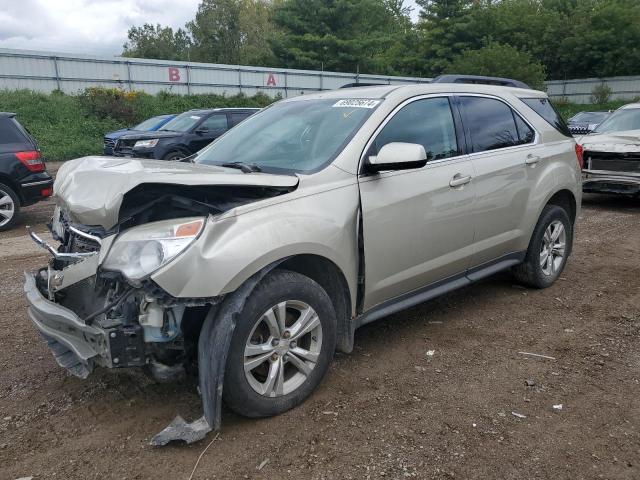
259	329
174	155
9	207
541	268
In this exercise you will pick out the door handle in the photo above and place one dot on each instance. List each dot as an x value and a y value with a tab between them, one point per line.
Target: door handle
458	180
532	159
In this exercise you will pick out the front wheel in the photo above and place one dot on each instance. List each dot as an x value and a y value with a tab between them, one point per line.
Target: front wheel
174	156
282	345
548	250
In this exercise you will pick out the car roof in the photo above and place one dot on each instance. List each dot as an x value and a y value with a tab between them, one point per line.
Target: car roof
629	106
7	114
409	90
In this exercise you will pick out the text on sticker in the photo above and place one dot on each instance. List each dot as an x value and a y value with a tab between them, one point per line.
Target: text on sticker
356	103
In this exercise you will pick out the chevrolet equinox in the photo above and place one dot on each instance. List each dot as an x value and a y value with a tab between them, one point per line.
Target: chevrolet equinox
254	262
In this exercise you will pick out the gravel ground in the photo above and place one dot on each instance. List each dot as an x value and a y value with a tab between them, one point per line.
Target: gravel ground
388	410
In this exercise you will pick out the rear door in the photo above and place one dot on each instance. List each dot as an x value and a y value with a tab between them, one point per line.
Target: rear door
505	154
418	224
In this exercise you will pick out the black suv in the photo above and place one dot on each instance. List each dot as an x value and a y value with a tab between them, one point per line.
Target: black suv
183	136
23	177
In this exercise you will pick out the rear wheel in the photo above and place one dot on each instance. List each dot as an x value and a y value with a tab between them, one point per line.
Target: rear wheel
282	345
549	249
9	207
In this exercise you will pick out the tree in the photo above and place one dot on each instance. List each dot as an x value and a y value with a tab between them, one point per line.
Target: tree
341	35
499	60
157	42
232	31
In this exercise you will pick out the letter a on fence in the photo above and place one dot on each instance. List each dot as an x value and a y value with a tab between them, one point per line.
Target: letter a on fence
271	80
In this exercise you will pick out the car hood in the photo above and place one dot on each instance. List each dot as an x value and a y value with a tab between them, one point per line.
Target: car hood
145	135
91	189
627	141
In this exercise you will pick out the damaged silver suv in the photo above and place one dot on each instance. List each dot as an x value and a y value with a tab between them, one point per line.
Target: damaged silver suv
313	217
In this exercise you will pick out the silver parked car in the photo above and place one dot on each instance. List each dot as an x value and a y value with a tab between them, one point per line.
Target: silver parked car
310	219
612	153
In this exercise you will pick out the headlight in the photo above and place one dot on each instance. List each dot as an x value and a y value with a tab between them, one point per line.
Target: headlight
142	250
146	143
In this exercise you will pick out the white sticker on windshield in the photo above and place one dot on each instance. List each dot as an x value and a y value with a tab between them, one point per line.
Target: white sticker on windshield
356	103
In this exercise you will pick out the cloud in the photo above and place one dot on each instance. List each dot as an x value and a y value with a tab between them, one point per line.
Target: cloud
84	26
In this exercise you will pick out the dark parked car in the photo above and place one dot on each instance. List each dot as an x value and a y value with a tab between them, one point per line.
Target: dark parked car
586	122
149	125
23	176
183	136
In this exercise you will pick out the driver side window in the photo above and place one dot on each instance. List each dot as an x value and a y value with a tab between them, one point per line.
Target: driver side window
427	122
214	123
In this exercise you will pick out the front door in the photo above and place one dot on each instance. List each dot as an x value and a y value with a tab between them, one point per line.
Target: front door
208	130
418	225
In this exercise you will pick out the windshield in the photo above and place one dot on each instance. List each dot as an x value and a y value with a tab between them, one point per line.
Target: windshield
300	136
149	124
590	117
621	120
182	123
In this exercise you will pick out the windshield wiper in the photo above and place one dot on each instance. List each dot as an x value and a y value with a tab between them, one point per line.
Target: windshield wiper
245	167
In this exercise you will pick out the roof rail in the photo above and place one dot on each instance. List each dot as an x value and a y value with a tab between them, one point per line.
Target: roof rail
353	85
481	79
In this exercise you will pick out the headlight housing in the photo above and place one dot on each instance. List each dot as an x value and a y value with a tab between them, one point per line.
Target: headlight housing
139	252
146	143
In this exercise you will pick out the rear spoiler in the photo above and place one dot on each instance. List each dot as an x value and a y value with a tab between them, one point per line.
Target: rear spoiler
504	82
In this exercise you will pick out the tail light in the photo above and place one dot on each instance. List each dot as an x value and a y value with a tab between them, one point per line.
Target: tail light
579	151
31	159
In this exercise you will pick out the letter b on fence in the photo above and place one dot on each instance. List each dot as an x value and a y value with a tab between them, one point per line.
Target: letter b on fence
174	74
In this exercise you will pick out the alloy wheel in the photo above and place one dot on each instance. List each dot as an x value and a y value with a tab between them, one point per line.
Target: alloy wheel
283	348
7	208
553	248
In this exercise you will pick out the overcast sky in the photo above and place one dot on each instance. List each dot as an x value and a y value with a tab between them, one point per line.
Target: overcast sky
87	26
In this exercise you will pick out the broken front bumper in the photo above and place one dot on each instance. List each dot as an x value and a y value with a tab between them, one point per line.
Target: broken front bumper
79	347
601	181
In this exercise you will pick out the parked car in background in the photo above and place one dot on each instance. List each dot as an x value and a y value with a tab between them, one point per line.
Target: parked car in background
182	136
149	125
585	122
23	177
313	217
612	153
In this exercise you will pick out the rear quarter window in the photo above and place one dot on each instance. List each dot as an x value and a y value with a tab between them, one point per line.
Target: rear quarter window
10	133
544	108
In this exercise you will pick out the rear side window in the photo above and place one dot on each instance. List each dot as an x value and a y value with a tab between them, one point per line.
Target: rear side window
236	118
492	124
544	108
10	133
428	122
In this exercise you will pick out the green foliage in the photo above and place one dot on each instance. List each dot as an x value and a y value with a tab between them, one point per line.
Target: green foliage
499	60
66	127
600	93
339	35
157	42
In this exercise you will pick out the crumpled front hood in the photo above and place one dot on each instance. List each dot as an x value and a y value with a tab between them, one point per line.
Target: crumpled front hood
619	142
91	189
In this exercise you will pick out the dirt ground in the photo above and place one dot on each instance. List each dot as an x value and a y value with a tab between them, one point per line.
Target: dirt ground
388	410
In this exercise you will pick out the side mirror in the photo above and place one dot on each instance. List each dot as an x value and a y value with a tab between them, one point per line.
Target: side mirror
398	156
201	131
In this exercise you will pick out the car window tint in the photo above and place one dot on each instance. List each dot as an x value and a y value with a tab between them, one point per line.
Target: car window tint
428	122
9	133
544	108
525	132
214	122
490	123
236	118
